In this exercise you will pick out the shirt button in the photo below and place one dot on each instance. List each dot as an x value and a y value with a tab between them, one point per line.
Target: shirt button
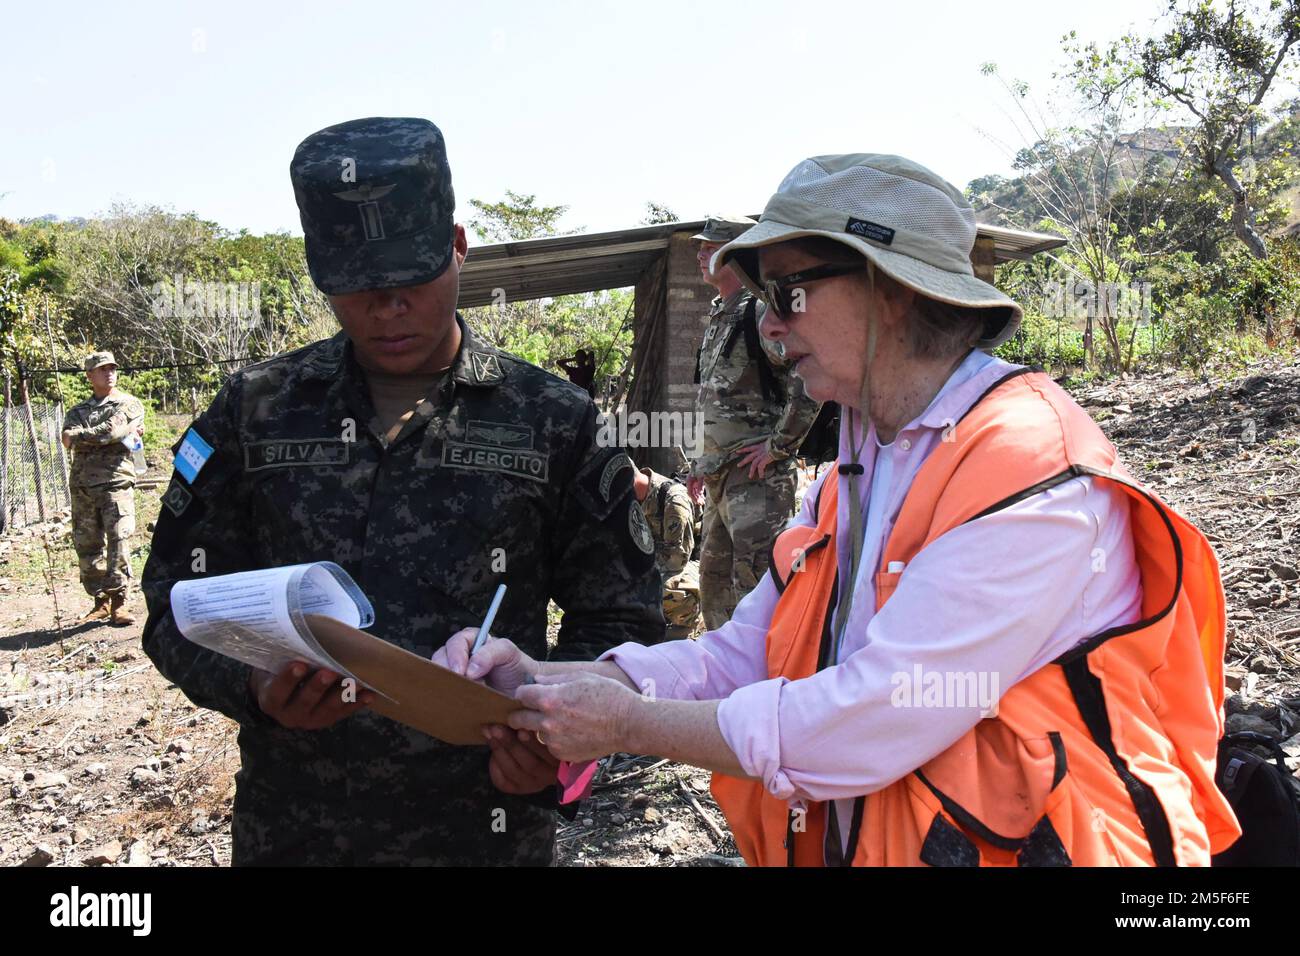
905	444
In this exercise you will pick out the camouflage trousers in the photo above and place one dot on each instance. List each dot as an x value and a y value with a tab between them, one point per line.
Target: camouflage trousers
103	520
367	792
682	601
741	517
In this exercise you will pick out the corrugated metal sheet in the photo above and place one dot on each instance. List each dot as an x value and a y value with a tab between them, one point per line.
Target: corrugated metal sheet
536	268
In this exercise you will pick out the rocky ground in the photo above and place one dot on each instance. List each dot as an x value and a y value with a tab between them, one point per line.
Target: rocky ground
103	763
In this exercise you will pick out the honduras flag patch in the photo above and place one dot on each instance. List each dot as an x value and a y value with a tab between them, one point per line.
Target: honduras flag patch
192	455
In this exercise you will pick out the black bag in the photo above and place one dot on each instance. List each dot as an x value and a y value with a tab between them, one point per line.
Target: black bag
1264	801
822	443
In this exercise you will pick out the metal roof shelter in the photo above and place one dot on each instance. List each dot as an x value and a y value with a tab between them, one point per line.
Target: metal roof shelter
671	301
538	268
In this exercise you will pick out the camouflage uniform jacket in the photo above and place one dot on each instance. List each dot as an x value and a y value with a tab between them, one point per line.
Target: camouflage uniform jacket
671	516
98	426
498	479
730	404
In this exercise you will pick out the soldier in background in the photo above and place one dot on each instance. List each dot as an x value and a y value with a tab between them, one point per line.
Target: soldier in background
671	515
754	414
101	433
432	467
581	369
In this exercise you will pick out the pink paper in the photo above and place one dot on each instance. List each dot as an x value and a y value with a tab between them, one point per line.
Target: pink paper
575	779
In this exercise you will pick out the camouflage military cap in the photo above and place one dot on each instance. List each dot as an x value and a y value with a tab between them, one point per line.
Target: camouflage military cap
376	203
724	228
95	359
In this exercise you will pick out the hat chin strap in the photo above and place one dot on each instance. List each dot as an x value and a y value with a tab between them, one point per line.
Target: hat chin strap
845	601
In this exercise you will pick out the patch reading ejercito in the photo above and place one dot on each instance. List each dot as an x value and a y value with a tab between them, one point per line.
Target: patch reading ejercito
523	464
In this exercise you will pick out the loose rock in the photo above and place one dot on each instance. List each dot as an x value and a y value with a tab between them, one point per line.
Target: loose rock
41	856
108	853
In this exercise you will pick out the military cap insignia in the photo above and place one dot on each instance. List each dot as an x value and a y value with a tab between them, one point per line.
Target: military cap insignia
638	528
366	192
372	223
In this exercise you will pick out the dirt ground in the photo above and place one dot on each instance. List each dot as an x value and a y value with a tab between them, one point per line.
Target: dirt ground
103	763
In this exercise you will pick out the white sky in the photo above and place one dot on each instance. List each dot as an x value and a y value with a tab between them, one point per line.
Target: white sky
703	106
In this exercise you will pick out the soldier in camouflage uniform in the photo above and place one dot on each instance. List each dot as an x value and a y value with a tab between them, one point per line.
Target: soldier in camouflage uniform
753	415
671	515
491	474
102	481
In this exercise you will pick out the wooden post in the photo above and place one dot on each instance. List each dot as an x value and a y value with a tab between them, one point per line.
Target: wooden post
983	258
4	458
58	390
36	445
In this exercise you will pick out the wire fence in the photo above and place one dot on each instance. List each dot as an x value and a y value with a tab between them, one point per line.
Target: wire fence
33	462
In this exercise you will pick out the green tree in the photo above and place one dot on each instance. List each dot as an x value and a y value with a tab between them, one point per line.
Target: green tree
514	218
1218	65
657	213
543	331
1080	176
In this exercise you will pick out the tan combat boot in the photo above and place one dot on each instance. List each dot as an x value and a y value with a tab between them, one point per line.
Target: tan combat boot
120	616
99	612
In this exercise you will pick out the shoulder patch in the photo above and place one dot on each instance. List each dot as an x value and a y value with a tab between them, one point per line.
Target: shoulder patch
603	480
612	468
192	455
177	498
638	528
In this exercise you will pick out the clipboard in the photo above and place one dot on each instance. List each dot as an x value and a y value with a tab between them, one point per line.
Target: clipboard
414	691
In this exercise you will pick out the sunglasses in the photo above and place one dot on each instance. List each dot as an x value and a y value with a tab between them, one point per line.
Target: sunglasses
779	293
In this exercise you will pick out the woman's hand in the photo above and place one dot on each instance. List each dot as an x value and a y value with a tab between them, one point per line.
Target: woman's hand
498	663
577	716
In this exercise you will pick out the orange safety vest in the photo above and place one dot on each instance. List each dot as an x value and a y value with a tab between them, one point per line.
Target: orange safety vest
1104	757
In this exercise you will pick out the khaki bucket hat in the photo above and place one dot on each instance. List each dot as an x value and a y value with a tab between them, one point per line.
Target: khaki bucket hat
913	225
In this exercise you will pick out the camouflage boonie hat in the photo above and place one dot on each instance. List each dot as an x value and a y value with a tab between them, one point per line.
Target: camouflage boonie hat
376	203
724	228
95	359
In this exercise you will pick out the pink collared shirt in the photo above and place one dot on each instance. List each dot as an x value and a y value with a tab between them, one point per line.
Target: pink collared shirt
981	607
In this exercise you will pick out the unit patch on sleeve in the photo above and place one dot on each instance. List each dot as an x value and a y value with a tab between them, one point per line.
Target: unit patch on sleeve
639	529
612	468
177	498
